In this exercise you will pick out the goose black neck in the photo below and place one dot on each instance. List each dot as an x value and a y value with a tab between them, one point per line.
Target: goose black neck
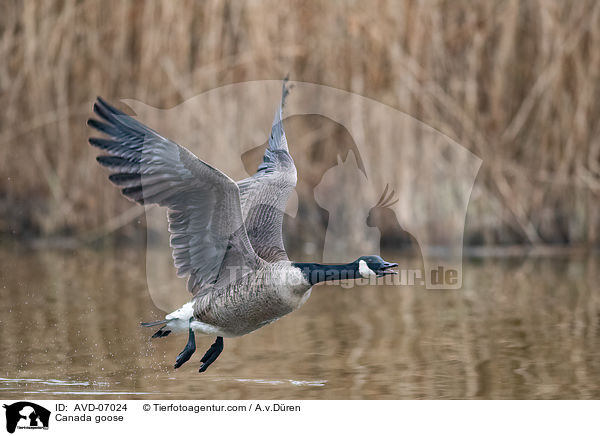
317	272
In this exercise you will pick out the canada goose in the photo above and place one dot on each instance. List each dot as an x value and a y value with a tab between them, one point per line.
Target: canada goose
226	236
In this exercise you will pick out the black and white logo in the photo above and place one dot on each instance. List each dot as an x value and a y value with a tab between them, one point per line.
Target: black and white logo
26	415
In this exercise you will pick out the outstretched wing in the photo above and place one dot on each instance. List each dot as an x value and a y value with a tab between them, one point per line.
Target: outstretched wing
204	211
265	194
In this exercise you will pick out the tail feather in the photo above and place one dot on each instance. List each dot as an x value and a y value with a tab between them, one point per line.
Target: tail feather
153	323
162	332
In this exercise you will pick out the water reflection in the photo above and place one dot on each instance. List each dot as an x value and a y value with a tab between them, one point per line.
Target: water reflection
519	328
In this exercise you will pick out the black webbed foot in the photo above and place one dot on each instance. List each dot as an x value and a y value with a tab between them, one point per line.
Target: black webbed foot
189	349
161	333
211	355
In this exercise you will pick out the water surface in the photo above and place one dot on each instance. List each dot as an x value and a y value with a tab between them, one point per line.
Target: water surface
519	328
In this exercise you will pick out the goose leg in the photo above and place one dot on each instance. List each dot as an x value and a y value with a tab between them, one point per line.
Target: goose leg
189	349
211	355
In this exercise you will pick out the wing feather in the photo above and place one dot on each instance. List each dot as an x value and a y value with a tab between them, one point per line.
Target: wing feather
204	210
265	194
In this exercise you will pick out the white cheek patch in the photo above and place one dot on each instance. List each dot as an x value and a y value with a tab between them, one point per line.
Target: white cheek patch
364	270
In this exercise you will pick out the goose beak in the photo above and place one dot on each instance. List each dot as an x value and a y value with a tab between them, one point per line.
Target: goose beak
387	269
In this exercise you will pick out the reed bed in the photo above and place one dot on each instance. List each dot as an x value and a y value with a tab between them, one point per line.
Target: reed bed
515	82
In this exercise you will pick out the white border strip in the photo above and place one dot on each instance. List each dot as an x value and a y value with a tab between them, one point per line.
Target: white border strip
158	417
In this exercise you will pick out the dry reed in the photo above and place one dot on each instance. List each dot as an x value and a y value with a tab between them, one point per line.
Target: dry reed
516	82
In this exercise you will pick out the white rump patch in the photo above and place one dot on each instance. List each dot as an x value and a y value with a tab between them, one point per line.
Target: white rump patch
184	313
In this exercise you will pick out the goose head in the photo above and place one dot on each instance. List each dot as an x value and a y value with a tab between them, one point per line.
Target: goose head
368	266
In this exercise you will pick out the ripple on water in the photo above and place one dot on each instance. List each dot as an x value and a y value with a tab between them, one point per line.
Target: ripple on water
281	382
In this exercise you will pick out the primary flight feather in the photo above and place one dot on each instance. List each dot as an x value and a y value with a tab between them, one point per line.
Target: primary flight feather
226	236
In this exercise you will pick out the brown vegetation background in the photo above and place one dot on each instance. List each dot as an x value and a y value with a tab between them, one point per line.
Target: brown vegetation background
516	82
